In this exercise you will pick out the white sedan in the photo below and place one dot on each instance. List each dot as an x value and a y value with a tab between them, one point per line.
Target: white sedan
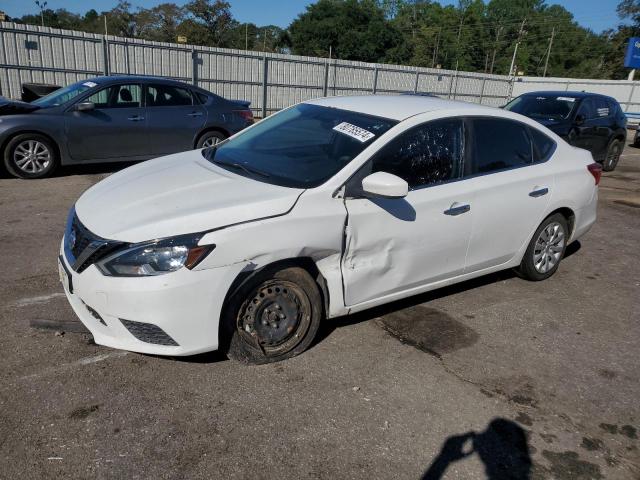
327	208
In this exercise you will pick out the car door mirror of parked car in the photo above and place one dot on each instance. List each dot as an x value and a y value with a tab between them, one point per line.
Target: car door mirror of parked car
85	106
579	120
385	185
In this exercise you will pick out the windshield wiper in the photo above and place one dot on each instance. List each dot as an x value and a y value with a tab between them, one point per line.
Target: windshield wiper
240	166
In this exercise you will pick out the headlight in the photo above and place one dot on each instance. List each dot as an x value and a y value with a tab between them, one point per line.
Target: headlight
155	258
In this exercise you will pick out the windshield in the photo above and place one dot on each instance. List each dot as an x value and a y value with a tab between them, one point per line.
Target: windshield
63	95
300	147
540	106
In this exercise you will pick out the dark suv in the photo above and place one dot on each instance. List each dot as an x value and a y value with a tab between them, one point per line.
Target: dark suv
585	120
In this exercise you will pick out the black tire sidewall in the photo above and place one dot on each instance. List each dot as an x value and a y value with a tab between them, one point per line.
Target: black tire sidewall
527	268
19	173
605	165
233	344
207	135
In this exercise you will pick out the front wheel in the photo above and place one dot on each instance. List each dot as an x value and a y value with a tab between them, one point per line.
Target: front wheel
30	155
613	155
546	249
273	316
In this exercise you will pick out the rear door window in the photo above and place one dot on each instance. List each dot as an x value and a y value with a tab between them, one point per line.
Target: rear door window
498	144
425	155
168	96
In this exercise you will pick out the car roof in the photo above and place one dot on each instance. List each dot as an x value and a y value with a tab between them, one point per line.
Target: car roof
396	107
134	78
565	93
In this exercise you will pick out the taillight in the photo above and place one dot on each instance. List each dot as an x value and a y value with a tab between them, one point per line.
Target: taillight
245	114
596	170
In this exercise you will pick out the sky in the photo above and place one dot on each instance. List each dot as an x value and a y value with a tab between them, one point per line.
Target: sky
595	14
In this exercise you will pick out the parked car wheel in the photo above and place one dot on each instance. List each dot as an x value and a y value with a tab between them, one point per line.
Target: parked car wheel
272	317
546	249
30	155
613	155
209	139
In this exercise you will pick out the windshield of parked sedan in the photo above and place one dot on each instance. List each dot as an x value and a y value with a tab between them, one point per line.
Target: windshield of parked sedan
63	95
300	147
553	107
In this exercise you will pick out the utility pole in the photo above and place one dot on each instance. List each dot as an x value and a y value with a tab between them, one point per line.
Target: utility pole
41	6
458	40
515	50
106	31
546	63
495	49
246	36
435	48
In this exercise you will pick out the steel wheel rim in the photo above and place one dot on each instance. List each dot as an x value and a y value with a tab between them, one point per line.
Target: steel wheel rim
549	247
32	156
275	317
210	142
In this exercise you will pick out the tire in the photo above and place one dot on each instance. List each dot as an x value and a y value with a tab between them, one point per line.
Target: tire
542	258
30	155
273	316
614	150
209	139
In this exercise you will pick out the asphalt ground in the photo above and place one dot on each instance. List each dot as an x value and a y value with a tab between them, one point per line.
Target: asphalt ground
493	378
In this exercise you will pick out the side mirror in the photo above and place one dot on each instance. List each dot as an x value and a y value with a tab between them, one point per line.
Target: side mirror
579	120
385	185
85	106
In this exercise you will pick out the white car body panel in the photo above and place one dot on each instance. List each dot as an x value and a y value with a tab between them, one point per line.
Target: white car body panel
367	252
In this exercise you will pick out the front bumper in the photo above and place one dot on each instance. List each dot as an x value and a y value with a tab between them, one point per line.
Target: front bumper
185	305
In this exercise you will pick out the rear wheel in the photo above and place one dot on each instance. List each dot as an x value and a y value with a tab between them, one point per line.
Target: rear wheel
272	317
209	139
30	155
546	249
613	155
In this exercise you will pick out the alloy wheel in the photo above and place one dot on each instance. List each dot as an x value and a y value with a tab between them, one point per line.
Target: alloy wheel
210	142
613	154
32	156
549	247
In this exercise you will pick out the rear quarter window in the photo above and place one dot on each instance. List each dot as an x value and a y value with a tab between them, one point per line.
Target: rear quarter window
543	146
202	98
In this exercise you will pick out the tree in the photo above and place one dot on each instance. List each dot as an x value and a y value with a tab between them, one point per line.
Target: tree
160	23
353	29
210	21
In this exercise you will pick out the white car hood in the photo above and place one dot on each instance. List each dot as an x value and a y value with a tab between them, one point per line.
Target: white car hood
177	194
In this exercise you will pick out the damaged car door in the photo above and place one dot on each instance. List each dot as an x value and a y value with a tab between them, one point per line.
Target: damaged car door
394	245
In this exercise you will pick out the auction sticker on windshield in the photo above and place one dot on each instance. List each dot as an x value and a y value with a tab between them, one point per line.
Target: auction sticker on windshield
354	131
89	84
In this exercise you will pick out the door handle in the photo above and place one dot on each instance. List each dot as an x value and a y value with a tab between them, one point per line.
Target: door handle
539	192
135	118
457	209
194	114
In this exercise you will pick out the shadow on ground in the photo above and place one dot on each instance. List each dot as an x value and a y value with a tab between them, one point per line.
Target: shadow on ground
502	448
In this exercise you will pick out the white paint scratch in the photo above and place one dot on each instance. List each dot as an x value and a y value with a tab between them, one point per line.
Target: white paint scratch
25	302
99	358
77	363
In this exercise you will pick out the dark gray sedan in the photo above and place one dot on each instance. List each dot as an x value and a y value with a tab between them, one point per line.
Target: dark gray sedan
112	119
